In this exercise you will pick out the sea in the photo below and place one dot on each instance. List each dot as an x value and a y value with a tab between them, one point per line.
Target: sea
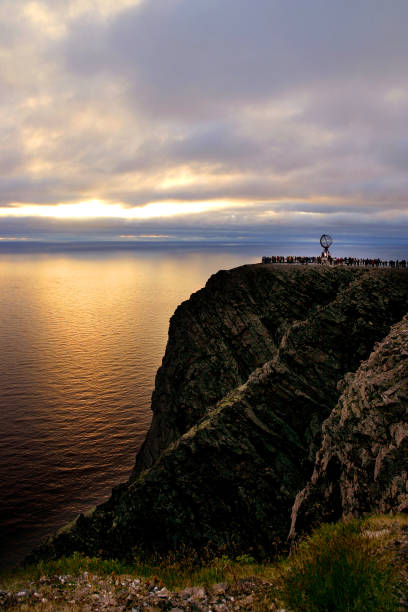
83	330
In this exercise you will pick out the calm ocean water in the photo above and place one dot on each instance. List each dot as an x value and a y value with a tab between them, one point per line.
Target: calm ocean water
82	334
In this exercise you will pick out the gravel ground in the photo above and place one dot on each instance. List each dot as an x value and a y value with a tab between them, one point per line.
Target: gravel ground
90	592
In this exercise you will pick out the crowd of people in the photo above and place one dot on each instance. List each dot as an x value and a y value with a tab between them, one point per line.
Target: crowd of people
336	261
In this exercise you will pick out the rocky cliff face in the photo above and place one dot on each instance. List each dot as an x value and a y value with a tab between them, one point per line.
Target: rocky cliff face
249	375
362	465
238	321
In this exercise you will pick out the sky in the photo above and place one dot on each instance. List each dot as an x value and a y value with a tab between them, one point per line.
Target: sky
203	119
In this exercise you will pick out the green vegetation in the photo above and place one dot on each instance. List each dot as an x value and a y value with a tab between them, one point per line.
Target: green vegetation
343	567
174	572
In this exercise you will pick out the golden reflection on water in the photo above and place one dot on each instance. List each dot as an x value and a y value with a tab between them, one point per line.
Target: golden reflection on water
81	338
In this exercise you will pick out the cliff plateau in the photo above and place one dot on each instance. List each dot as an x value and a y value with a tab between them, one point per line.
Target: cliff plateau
250	373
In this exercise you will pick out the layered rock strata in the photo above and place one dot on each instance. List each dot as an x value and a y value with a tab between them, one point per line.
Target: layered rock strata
362	465
250	373
237	323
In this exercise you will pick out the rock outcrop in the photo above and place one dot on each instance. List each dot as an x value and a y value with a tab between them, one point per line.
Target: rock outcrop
362	465
222	334
238	321
249	375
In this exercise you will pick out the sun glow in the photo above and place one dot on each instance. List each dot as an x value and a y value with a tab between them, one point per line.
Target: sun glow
99	209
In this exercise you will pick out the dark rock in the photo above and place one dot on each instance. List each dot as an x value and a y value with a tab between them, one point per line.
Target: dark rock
224	332
362	465
250	373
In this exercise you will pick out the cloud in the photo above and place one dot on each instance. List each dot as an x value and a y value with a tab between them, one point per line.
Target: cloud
190	59
299	106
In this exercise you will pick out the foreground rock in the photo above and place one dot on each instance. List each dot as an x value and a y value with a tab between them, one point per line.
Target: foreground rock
88	592
362	465
250	373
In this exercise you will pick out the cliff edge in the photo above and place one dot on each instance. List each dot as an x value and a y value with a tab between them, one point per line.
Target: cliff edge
250	373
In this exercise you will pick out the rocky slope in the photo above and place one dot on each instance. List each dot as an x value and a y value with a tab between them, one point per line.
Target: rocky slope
250	373
237	323
222	334
362	465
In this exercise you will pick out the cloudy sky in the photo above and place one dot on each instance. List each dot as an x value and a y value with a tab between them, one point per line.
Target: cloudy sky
129	118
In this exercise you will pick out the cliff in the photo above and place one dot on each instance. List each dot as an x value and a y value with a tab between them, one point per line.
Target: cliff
237	323
251	371
222	334
362	465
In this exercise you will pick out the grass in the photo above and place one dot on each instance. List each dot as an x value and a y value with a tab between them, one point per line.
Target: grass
343	567
174	572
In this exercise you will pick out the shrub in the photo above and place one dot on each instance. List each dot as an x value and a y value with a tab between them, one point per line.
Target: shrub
338	569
